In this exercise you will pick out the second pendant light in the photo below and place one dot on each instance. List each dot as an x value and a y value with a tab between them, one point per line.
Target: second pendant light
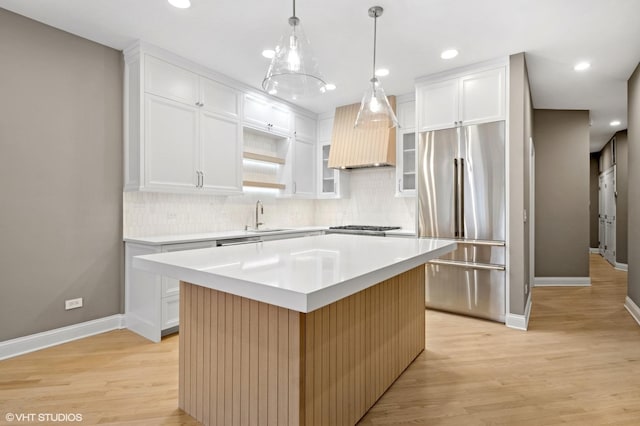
375	110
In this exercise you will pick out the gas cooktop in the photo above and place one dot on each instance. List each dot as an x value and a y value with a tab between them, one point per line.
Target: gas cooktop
361	229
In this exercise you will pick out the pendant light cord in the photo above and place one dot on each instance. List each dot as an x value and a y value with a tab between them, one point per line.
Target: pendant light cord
375	21
294	7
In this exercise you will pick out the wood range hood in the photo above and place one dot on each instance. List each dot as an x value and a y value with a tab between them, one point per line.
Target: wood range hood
353	148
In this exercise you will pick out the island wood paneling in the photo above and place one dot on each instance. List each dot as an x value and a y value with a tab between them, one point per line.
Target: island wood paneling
249	363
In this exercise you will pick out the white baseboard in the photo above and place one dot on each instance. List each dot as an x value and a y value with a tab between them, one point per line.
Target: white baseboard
34	342
594	250
562	281
520	322
633	309
622	266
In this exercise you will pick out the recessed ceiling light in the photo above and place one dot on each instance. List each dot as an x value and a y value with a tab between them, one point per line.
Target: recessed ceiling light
615	123
582	66
268	53
180	4
330	86
382	72
449	54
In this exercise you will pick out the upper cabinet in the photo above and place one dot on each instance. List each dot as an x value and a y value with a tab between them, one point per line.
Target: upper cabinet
173	82
266	115
477	97
304	128
304	157
332	183
190	130
406	148
183	130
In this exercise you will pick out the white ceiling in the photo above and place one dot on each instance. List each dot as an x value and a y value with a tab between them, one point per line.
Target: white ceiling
229	35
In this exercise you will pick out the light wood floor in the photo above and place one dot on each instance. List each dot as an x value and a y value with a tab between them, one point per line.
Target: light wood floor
579	364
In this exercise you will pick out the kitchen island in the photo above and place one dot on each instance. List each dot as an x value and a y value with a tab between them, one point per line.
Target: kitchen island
308	331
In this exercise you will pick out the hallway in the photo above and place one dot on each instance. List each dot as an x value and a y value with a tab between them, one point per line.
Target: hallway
578	364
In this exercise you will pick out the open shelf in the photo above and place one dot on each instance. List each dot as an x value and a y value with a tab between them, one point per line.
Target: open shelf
257	184
262	157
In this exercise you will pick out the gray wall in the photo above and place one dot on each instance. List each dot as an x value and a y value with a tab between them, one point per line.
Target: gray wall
622	204
520	131
60	177
562	193
633	133
594	200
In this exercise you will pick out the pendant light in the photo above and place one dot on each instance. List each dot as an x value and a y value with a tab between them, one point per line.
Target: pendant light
375	111
293	72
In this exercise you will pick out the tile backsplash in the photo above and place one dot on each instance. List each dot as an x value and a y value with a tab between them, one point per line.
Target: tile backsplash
150	214
372	201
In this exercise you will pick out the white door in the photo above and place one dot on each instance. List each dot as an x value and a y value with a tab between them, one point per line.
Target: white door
220	154
601	214
170	145
610	216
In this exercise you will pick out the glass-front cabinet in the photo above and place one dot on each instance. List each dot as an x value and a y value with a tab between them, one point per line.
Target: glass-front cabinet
332	183
407	179
328	175
406	151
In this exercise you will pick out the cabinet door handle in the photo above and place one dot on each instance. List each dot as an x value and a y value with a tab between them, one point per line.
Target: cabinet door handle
201	179
400	185
295	188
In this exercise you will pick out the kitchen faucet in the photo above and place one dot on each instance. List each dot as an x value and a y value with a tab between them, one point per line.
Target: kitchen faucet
259	205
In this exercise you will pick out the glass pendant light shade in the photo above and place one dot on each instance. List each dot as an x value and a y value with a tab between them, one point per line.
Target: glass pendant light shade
294	72
375	110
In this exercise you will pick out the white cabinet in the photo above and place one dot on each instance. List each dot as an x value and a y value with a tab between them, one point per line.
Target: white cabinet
171	145
470	99
438	105
220	154
152	302
266	115
183	131
219	99
304	168
170	81
406	149
332	183
304	127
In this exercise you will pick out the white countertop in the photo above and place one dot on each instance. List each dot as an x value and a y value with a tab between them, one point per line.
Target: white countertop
220	235
302	274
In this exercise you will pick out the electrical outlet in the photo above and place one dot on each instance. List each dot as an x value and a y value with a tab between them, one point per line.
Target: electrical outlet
73	303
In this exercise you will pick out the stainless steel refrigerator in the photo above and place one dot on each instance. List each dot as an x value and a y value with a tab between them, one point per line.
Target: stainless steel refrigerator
461	195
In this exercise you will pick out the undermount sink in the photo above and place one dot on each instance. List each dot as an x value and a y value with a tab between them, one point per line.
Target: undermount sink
267	230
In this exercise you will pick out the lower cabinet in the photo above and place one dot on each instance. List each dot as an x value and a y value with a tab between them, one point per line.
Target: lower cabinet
152	302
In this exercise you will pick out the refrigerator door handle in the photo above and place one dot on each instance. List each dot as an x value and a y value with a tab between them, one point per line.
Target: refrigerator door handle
461	197
456	200
467	265
482	243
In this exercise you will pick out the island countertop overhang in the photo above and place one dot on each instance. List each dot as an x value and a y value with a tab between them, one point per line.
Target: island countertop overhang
302	274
